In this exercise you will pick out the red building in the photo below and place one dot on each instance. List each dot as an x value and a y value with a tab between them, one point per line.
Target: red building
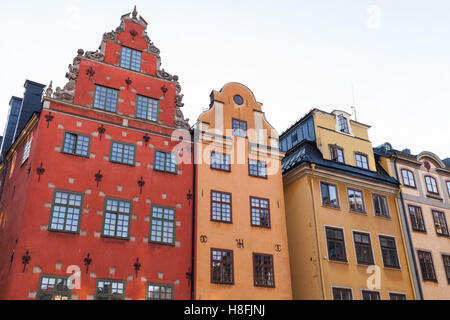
94	182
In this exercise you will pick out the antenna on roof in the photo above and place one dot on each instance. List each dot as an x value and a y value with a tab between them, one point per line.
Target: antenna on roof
354	104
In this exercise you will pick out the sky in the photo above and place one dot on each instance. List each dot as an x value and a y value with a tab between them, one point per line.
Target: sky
389	59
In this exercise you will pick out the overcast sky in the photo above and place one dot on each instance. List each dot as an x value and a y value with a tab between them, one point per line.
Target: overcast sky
391	59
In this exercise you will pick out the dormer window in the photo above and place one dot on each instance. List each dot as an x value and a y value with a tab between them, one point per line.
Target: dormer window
131	59
343	124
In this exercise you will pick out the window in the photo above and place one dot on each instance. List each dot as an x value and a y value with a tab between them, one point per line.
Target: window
257	168
363	248
446	261
448	187
335	244
66	212
238	100
336	154
159	291
440	223
389	252
370	295
76	144
110	289
263	270
329	195
362	161
343	124
408	178
221	206
165	162
380	206
397	296
106	98
147	108
355	200
26	151
431	184
342	294
122	153
222	266
240	128
53	288
131	59
417	222
426	265
162	228
260	212
117	219
220	161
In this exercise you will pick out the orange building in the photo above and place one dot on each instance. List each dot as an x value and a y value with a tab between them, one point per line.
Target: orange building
241	241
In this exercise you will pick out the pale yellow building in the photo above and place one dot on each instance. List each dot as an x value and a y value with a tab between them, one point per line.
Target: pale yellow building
424	204
344	231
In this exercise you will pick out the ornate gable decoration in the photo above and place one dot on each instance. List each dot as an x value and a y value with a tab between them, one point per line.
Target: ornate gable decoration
67	93
133	17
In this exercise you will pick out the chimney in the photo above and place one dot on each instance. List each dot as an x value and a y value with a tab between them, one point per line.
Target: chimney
32	102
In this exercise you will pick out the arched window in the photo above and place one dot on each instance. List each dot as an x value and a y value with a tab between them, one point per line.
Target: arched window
431	184
408	178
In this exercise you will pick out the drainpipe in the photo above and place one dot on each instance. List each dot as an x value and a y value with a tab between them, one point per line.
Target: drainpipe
194	196
408	233
313	166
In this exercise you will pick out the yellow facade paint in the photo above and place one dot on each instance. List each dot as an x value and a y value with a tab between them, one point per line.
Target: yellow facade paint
314	274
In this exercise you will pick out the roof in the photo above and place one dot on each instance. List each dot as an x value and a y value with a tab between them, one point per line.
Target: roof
307	152
386	150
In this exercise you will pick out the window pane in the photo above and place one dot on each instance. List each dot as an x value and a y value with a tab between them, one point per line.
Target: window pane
263	270
220	207
426	265
329	195
66	212
117	217
147	108
162	228
110	290
122	153
105	98
131	59
389	252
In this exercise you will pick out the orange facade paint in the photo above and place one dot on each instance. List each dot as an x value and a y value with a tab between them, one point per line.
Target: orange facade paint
240	215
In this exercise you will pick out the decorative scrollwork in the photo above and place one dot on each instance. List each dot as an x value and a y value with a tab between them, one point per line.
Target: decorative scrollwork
95	55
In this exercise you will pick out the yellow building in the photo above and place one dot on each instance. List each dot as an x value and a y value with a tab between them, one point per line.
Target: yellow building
241	242
424	203
344	231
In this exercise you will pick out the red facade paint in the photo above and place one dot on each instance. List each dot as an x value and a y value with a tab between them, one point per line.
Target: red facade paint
26	203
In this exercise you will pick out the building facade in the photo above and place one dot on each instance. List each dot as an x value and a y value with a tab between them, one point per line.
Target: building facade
95	190
20	112
344	230
241	248
424	204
